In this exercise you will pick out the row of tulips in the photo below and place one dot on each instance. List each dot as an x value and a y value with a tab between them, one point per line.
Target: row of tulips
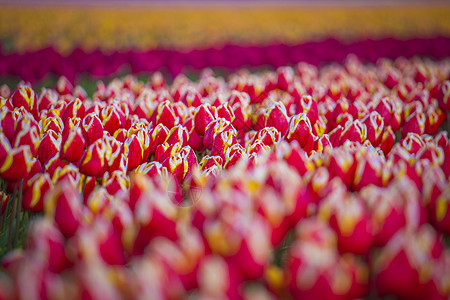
285	184
35	65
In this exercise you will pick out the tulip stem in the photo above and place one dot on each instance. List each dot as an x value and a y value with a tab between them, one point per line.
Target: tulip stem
83	186
11	218
18	213
3	213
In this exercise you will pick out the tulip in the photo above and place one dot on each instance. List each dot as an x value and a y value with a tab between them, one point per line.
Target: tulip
92	128
63	86
37	186
74	108
24	96
356	131
63	204
154	212
415	123
397	268
17	164
369	170
46	239
443	95
92	162
112	118
164	114
276	116
73	145
300	130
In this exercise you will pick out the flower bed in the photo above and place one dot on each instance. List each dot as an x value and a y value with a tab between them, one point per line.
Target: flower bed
328	183
33	66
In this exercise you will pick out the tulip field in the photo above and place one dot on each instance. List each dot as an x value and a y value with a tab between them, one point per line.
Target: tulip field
241	151
297	183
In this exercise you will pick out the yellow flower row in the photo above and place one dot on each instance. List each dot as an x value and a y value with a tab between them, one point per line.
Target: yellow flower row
108	28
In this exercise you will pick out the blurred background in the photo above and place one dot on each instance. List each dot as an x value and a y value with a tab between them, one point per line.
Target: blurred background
82	40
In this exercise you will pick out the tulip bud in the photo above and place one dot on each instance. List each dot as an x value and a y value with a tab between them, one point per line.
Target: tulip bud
369	169
164	114
415	123
47	241
93	163
403	266
240	103
299	130
443	95
224	111
114	154
92	128
112	118
202	117
322	144
158	136
152	169
63	204
269	136
353	225
75	108
24	96
28	136
115	182
191	97
355	132
276	116
121	134
63	86
308	105
178	134
214	128
285	77
17	164
335	136
133	151
222	141
413	143
375	127
433	120
154	212
209	161
37	186
233	154
73	145
195	141
297	158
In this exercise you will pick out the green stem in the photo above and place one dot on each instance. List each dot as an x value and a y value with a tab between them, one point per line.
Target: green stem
11	218
18	213
5	214
83	186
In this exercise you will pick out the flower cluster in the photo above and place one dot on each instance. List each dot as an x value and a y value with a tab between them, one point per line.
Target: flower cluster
194	26
34	66
310	183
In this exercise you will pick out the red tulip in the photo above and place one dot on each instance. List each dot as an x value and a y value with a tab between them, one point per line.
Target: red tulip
92	128
24	96
276	116
73	145
92	162
63	86
112	118
443	95
37	186
18	163
300	130
63	204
